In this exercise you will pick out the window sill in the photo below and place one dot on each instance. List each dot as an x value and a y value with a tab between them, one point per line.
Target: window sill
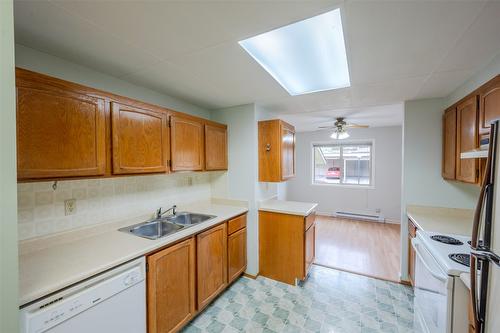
359	187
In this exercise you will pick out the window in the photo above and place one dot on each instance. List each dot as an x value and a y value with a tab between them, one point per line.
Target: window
345	164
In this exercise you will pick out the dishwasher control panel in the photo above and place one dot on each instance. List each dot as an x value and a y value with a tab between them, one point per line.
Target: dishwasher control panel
40	317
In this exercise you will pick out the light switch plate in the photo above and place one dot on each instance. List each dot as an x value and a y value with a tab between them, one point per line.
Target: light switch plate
69	207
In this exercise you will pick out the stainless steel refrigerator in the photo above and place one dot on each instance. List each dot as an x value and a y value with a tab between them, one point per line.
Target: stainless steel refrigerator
485	245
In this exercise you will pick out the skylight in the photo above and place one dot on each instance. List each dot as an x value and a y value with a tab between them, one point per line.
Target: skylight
306	56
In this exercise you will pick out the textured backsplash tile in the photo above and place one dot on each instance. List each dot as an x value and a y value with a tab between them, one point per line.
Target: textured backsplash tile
41	208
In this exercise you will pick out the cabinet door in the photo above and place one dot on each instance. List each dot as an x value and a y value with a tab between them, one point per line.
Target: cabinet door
489	107
237	254
449	143
139	140
187	143
215	147
211	247
171	287
310	248
411	262
60	133
467	137
287	152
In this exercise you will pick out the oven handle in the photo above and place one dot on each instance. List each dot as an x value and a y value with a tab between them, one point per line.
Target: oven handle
416	246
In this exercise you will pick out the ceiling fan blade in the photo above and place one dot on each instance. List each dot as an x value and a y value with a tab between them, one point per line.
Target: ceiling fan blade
327	127
357	126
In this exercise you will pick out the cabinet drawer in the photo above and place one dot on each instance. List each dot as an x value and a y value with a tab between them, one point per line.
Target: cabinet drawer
310	220
412	229
236	224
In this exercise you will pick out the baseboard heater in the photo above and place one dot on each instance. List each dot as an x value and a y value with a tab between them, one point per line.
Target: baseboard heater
358	216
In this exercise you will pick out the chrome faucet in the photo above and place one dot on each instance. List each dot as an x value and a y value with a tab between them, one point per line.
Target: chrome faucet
159	212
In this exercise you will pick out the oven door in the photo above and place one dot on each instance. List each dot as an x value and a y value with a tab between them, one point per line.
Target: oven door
433	292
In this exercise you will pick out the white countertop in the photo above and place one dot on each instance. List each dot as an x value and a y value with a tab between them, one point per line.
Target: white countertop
442	220
52	263
287	207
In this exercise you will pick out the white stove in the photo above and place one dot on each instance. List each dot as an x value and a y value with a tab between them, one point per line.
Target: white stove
442	251
440	296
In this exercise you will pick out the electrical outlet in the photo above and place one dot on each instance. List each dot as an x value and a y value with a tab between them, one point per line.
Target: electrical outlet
378	210
190	181
70	207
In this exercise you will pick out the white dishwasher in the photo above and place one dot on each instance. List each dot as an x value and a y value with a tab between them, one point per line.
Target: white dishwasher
114	301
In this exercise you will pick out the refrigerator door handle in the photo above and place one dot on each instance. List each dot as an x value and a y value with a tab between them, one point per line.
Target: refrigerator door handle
486	256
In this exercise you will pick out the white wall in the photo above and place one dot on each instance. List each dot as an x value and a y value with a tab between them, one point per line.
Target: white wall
8	213
44	63
387	163
240	181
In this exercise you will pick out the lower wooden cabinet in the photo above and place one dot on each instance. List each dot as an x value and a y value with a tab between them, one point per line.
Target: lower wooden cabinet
310	248
236	247
211	251
171	287
286	246
412	232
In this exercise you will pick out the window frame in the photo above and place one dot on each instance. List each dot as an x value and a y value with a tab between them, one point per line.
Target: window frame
344	142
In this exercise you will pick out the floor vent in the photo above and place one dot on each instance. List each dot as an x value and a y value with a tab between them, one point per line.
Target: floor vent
358	216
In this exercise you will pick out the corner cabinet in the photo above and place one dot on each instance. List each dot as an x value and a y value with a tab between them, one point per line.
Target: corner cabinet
171	287
276	151
186	136
489	104
61	129
140	140
215	147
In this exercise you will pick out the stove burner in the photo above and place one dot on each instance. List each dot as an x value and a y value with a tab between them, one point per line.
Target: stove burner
461	258
446	239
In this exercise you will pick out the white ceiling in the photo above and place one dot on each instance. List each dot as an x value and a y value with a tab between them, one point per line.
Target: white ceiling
397	50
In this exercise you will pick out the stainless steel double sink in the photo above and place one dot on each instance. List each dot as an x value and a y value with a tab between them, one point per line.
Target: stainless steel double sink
165	226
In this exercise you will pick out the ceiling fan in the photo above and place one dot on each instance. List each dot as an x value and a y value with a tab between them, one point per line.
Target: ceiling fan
340	128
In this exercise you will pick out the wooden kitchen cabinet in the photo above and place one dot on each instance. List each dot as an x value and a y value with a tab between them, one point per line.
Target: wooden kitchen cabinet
187	148
61	129
467	170
412	233
215	147
449	143
236	247
140	140
489	104
171	287
276	151
286	246
211	252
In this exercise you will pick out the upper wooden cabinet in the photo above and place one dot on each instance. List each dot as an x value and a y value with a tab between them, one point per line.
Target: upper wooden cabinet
276	151
186	136
215	147
140	140
467	170
66	130
211	254
449	143
61	130
489	104
171	287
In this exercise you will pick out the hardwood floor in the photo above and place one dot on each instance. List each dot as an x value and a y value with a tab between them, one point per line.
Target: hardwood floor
368	248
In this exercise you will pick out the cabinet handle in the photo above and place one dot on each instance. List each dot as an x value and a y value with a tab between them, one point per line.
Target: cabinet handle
268	147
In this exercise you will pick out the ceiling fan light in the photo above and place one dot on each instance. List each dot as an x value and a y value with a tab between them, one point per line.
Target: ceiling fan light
339	135
343	135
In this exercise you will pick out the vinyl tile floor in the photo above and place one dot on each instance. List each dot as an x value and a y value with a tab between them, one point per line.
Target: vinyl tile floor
329	301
